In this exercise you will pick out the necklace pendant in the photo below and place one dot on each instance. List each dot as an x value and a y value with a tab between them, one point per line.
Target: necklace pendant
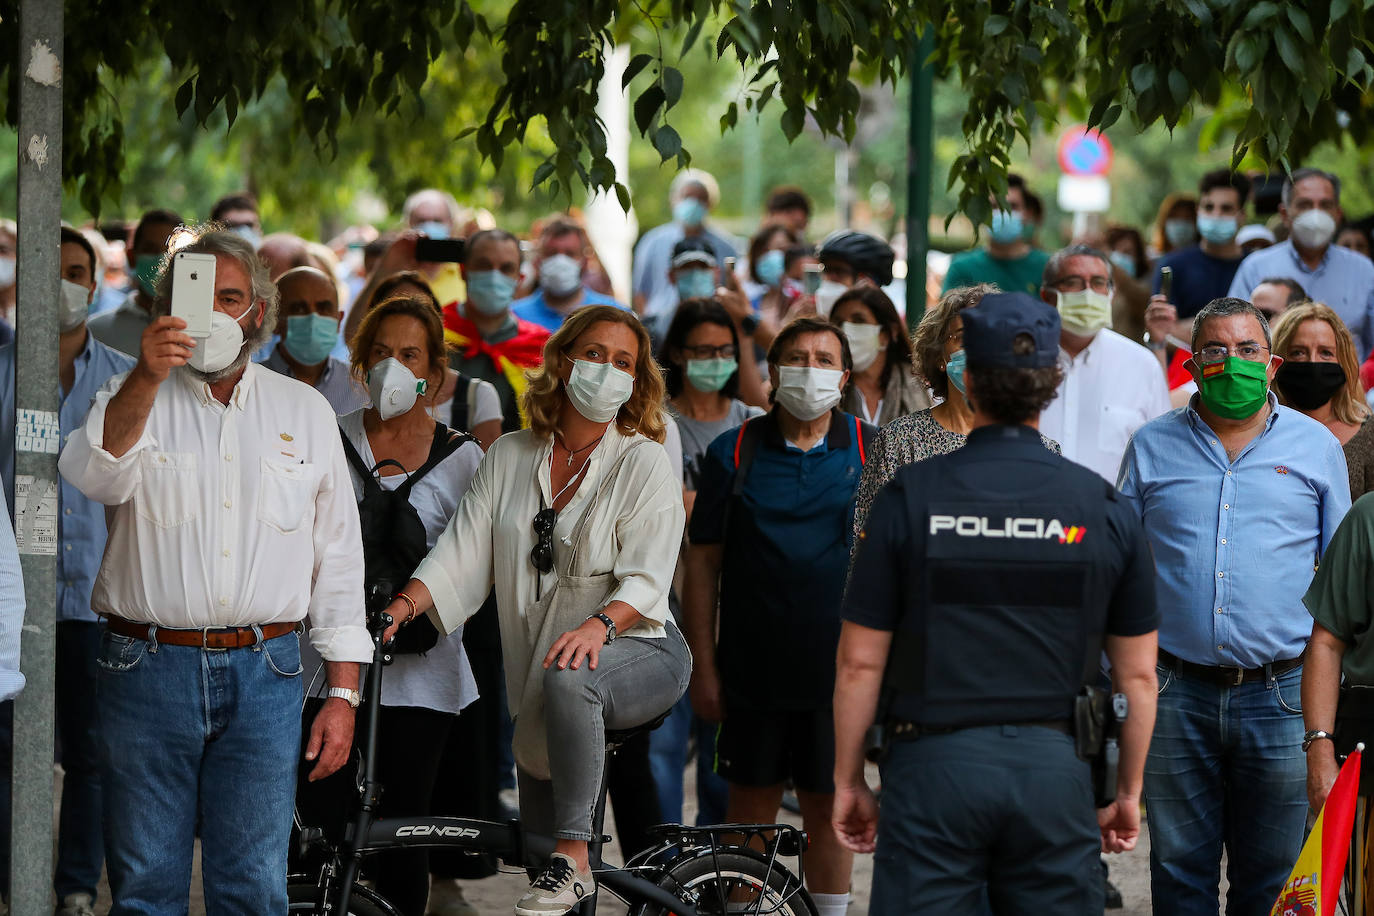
569	459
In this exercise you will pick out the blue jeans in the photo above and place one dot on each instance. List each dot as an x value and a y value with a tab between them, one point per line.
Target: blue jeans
1226	768
80	850
667	757
194	739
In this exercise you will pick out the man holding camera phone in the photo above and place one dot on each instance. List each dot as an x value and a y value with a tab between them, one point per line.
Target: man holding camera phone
232	518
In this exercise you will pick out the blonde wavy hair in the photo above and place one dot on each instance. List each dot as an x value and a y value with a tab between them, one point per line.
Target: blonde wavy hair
642	413
1348	404
928	341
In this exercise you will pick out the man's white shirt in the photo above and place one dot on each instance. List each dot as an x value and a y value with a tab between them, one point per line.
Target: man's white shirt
1110	389
228	515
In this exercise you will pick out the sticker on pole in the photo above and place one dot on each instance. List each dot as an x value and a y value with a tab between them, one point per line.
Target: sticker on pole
36	431
1084	152
35	515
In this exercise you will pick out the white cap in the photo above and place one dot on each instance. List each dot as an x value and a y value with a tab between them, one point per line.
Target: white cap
1254	233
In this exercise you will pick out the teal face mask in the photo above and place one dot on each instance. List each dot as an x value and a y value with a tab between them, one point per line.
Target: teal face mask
770	266
1006	227
309	338
145	269
710	374
696	284
954	370
490	291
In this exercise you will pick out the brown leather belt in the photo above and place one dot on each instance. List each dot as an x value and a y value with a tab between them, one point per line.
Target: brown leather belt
1225	675
207	638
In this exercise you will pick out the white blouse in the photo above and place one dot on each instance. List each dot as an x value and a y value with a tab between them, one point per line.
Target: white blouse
633	532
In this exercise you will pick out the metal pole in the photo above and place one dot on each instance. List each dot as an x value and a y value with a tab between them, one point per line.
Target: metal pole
37	443
919	167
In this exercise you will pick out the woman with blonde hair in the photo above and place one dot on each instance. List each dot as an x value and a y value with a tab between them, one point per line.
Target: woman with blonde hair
1320	377
576	521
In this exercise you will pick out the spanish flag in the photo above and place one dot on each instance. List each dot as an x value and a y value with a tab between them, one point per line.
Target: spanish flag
1315	884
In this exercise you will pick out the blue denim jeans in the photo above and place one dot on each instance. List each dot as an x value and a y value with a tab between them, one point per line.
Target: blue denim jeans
80	849
668	756
1226	768
195	739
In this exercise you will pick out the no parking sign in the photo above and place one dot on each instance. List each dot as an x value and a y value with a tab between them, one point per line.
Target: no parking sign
1084	152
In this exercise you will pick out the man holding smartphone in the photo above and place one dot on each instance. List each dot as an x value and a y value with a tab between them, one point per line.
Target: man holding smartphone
231	520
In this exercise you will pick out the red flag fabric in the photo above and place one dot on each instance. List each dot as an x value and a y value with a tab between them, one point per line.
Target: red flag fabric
1315	883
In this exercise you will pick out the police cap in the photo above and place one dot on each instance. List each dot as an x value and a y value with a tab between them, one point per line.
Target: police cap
992	326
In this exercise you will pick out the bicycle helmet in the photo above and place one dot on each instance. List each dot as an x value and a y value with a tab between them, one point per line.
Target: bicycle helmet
867	254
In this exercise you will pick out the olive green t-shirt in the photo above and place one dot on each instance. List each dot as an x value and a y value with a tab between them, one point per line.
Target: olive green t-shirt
1012	275
1341	596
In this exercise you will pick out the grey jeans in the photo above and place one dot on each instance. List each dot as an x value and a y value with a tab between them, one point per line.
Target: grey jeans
635	680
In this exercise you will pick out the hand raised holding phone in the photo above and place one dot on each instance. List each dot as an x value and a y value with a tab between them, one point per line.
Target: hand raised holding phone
164	346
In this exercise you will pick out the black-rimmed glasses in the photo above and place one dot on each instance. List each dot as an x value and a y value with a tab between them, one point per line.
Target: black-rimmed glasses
541	555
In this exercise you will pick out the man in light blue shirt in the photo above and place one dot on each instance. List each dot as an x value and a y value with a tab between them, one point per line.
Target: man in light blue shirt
1334	276
692	194
85	364
562	260
1239	498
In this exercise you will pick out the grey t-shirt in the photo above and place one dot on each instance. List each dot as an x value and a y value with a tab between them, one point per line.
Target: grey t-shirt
697	435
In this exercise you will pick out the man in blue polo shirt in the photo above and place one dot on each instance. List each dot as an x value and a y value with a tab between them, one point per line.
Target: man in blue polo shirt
770	538
1239	498
562	260
1334	276
84	365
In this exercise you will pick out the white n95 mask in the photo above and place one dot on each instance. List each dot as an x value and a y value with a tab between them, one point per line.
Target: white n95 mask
393	387
222	346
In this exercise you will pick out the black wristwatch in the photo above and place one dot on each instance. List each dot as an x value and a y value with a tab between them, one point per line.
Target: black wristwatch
610	626
1315	734
750	323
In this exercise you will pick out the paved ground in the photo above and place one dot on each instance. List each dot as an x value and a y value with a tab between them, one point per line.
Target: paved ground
496	895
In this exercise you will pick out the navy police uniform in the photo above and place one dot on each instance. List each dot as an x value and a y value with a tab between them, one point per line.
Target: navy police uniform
998	569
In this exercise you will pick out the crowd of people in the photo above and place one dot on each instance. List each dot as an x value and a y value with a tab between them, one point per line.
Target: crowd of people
585	515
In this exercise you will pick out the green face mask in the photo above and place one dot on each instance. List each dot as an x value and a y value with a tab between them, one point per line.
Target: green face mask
710	374
1234	388
145	269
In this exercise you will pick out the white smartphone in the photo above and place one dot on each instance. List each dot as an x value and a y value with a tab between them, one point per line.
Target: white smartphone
193	291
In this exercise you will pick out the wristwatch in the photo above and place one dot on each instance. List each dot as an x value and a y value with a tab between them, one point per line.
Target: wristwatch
1315	734
749	323
353	697
610	626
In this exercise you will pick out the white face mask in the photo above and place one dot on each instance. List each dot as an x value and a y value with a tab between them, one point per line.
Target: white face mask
1085	312
393	387
826	296
560	275
863	343
222	346
598	390
807	393
75	303
1314	228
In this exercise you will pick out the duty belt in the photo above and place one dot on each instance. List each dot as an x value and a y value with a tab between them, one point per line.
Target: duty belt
1226	675
909	731
205	638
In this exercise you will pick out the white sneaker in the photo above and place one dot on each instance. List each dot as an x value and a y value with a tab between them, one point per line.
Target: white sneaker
557	890
76	905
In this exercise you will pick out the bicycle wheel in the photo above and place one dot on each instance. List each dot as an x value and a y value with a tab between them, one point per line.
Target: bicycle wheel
364	902
737	882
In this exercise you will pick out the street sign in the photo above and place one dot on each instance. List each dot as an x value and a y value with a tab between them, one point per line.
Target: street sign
1084	152
1084	194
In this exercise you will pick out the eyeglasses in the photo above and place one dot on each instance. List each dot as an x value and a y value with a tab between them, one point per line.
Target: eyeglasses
1252	352
1078	284
541	555
726	351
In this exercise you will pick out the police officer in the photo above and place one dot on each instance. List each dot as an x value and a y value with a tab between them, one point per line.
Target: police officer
984	587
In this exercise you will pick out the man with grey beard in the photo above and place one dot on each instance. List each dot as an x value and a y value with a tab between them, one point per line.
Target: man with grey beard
231	520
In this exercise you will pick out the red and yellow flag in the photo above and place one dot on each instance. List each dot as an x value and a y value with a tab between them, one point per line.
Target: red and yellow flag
1315	884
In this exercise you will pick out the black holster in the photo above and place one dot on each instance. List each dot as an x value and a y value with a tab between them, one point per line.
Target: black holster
1097	718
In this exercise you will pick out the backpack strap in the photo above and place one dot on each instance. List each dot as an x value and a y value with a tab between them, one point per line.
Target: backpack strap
462	407
864	434
446	442
365	474
746	445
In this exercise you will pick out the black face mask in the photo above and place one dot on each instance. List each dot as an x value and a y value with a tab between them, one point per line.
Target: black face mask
1308	386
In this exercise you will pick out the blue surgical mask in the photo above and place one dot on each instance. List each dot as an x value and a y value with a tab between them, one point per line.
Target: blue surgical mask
433	229
1180	232
769	267
696	284
954	370
310	338
689	211
1124	261
1006	227
490	291
1219	230
246	232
